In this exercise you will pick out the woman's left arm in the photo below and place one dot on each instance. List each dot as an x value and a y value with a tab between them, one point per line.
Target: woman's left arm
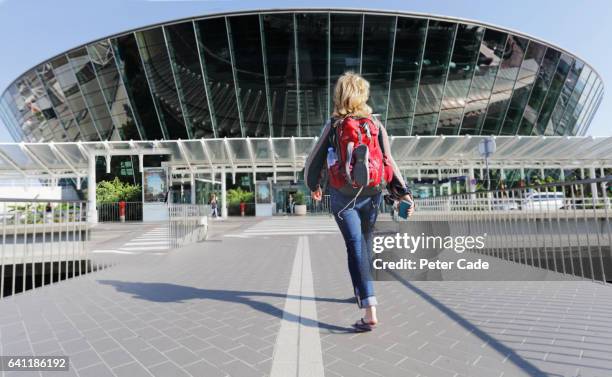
397	187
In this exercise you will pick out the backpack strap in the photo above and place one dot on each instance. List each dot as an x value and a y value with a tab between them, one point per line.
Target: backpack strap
333	133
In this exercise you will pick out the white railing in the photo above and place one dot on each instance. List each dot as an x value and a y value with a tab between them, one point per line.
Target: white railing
43	242
187	223
564	227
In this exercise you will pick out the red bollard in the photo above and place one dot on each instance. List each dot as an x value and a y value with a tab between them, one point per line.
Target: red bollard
242	208
122	211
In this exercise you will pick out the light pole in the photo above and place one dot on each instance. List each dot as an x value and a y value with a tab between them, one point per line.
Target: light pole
486	148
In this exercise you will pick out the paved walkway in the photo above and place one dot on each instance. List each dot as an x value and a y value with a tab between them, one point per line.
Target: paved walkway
273	298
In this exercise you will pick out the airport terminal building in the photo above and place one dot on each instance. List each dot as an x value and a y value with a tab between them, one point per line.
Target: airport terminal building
248	92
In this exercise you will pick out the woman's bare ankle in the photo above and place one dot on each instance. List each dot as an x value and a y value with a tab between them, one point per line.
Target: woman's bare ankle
370	315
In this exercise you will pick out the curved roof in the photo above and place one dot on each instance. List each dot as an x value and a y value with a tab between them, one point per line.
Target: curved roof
316	10
192	77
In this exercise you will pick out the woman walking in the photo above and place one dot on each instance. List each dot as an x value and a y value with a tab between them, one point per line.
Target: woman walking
213	205
354	154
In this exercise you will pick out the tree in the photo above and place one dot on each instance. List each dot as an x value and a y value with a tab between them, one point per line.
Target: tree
116	190
238	195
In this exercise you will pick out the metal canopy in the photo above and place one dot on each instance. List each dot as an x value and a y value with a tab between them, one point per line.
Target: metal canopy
70	160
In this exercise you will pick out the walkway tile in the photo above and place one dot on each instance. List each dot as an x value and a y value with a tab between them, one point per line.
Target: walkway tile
216	309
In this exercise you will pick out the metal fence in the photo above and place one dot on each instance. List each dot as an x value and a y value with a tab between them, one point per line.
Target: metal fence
562	227
43	242
109	212
187	223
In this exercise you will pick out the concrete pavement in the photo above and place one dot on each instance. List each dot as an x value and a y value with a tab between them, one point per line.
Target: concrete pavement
263	297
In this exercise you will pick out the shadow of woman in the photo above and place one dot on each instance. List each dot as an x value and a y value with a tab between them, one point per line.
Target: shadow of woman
165	292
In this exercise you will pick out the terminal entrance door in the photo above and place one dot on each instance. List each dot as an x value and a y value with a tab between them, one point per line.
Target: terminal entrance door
281	191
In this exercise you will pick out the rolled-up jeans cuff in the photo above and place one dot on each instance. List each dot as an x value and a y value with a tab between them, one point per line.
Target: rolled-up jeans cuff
367	302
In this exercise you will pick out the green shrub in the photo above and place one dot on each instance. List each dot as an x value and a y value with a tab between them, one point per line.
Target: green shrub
298	198
238	195
116	190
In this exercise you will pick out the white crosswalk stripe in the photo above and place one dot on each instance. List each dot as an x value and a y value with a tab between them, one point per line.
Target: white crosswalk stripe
289	226
155	241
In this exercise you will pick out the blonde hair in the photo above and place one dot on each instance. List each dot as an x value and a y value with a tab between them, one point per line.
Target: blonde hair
351	96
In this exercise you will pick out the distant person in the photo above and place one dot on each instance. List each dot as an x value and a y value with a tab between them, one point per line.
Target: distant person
291	203
48	212
213	205
356	148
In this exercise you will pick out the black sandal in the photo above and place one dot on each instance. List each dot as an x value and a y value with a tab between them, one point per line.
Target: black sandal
363	326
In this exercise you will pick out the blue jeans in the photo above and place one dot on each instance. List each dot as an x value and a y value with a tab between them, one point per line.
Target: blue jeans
357	226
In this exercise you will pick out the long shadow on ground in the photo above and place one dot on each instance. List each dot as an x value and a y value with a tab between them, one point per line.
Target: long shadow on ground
165	292
513	357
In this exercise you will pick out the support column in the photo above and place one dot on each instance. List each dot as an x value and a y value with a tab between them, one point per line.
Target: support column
594	193
223	194
604	188
92	211
193	189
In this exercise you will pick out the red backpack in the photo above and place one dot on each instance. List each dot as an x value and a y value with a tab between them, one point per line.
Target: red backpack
360	160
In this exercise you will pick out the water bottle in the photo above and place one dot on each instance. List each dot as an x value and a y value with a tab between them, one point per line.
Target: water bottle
331	157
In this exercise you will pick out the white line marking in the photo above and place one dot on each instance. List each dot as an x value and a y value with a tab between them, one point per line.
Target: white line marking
297	351
113	252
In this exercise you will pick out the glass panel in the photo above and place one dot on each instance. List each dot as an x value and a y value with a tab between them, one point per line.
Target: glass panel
214	48
313	50
409	44
564	97
261	150
186	63
68	84
345	47
590	102
217	151
73	153
544	126
522	89
102	57
20	158
400	148
282	150
376	60
158	70
195	150
573	109
508	80
240	151
44	153
438	49
593	111
50	125
26	111
280	60
94	99
9	120
58	100
461	70
490	57
303	148
137	86
538	93
250	74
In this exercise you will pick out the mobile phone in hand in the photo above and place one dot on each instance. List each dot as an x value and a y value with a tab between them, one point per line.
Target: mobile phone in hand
404	206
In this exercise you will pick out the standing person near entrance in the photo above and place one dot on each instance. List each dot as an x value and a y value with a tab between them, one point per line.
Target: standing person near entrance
355	155
291	204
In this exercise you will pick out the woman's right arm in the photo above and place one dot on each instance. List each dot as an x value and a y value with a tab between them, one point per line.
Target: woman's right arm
316	159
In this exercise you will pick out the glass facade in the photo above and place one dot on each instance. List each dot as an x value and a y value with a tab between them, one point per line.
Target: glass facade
273	74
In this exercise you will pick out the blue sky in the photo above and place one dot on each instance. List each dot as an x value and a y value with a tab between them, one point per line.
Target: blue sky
34	30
